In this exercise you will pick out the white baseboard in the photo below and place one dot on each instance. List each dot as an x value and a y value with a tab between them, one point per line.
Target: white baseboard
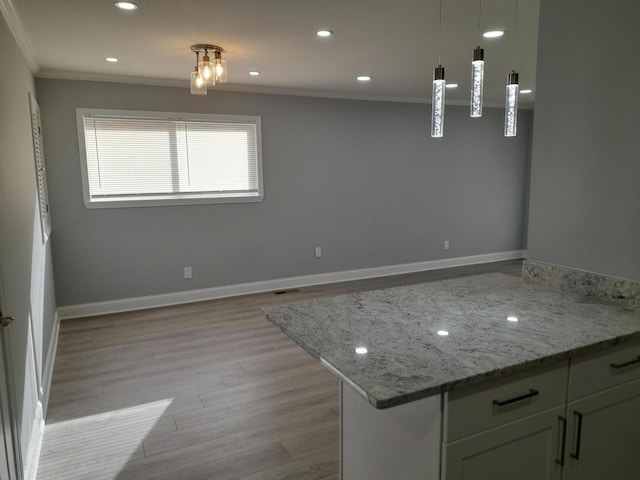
32	459
152	301
49	364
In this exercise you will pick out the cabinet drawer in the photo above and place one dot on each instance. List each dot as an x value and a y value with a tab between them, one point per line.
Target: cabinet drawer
597	371
488	405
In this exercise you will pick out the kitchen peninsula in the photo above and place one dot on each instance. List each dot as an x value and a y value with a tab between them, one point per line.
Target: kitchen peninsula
483	373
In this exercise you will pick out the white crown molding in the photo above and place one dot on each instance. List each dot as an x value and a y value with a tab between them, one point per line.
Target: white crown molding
240	88
176	298
20	34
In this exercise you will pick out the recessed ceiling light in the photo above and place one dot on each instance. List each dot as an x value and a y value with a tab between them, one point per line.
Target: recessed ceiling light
493	34
512	318
254	73
451	85
363	78
126	5
525	91
443	333
361	350
324	33
111	59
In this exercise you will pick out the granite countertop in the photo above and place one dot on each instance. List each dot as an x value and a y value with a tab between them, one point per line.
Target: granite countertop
407	359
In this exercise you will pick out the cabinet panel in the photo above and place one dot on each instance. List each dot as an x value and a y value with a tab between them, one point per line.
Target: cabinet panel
597	371
526	450
488	405
604	433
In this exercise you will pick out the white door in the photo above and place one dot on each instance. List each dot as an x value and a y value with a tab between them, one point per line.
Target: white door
9	466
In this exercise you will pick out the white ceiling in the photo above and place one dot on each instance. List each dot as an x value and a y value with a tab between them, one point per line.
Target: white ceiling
396	42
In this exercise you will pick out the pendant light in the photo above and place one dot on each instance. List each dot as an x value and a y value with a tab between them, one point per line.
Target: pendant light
477	75
198	85
207	69
220	67
207	72
511	105
437	95
511	97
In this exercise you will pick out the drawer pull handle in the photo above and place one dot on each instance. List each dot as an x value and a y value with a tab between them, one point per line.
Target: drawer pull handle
502	403
576	451
560	461
626	364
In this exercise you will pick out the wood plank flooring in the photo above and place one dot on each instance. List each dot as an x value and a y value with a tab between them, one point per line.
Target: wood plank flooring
208	390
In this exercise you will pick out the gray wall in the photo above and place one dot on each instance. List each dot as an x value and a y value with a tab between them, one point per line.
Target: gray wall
25	272
585	177
361	179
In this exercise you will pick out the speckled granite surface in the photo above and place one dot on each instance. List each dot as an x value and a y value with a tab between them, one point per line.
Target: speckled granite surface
408	360
585	283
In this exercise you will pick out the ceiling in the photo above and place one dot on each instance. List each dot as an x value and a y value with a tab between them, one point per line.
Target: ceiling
396	42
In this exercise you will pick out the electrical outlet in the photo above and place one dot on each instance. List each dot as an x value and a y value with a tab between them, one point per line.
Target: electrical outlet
318	252
446	244
188	272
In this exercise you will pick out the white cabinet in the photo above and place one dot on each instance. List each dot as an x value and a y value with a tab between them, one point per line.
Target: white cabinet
580	422
573	420
508	428
603	432
526	450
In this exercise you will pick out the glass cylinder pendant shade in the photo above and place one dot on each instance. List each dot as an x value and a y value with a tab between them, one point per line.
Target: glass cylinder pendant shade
198	85
477	82
437	103
511	105
220	68
207	71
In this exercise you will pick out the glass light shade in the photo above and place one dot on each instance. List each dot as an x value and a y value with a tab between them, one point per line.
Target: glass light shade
437	103
220	69
198	85
477	82
511	106
207	70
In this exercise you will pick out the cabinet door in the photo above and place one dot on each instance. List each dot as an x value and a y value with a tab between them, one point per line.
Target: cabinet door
526	449
603	439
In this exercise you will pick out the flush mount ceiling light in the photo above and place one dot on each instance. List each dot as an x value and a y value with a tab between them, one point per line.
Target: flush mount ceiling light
207	72
126	5
524	92
111	59
363	78
493	34
324	33
254	73
451	85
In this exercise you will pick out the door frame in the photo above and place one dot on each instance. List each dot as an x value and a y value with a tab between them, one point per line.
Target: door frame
9	440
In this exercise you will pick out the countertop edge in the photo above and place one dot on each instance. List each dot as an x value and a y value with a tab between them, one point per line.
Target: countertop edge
463	382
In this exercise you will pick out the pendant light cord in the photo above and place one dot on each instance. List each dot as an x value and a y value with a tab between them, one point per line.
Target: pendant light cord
440	36
480	19
515	36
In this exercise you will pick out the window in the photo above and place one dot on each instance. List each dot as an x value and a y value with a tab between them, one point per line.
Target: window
132	159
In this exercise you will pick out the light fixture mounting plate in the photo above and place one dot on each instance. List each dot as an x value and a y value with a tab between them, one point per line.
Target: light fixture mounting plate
200	47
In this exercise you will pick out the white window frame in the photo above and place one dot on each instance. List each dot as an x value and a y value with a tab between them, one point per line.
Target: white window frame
174	199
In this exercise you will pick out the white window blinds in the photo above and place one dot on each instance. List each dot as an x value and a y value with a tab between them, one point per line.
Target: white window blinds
167	160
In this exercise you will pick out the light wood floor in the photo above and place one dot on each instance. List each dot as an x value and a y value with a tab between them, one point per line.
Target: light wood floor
208	390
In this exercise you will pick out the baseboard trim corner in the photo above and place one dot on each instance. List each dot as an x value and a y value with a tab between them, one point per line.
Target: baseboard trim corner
49	364
176	298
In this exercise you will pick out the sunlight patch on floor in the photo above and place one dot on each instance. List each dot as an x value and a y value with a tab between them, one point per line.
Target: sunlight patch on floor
102	444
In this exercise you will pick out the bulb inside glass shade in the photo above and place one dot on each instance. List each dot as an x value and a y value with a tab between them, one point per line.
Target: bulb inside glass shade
477	80
437	109
198	85
511	110
221	70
